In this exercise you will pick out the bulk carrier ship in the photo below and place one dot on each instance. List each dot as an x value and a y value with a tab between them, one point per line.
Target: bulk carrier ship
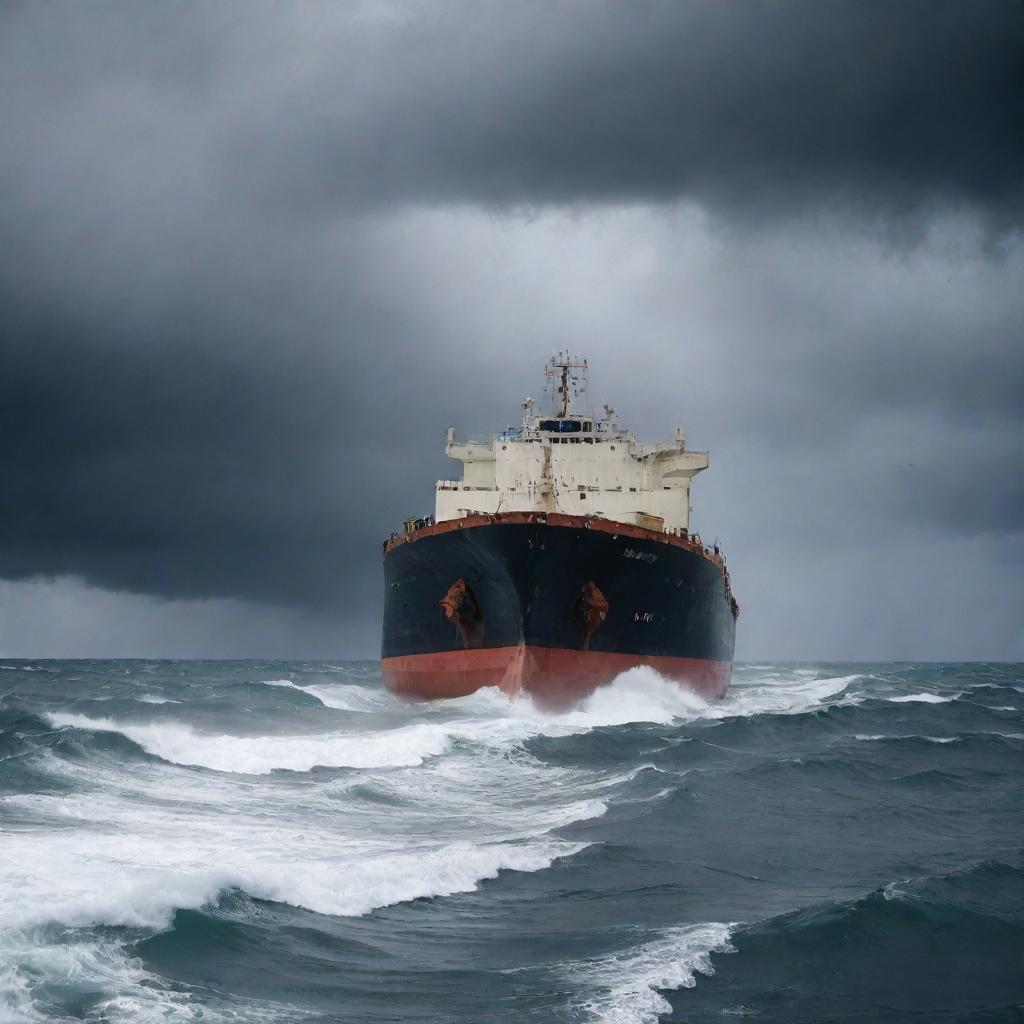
561	558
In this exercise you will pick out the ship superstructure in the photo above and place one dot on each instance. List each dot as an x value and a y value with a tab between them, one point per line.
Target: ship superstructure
572	462
562	557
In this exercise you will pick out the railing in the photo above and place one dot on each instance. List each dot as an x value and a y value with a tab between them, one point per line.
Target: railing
458	485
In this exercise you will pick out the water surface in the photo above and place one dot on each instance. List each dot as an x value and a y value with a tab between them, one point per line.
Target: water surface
285	841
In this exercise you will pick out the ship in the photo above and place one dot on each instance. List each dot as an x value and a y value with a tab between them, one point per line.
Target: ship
561	558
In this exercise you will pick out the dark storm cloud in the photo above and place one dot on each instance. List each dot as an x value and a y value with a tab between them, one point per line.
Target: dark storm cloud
231	342
199	444
749	107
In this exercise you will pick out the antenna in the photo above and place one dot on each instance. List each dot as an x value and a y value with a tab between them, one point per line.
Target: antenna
568	378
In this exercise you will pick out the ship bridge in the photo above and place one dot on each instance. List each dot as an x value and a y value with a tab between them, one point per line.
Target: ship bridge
573	463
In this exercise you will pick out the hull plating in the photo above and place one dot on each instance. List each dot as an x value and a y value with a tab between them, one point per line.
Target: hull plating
554	678
552	606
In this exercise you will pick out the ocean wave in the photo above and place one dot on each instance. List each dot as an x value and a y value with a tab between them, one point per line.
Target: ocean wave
351	696
238	883
485	718
128	849
260	755
626	984
44	968
950	944
340	696
967	737
382	881
642	695
100	890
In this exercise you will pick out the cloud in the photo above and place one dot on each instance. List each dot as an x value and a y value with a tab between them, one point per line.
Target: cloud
66	618
752	108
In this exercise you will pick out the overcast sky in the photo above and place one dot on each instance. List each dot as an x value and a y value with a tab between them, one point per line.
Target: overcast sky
255	258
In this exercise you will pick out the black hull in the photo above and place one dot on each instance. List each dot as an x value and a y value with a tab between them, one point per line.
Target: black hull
521	585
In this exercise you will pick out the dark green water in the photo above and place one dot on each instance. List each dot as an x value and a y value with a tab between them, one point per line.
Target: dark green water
256	841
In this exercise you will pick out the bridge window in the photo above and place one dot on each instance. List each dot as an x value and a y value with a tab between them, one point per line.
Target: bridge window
562	426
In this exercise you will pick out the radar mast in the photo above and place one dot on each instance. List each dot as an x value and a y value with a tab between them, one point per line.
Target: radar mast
568	377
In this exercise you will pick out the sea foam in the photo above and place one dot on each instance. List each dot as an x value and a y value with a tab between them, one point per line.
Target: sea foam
922	698
259	755
625	985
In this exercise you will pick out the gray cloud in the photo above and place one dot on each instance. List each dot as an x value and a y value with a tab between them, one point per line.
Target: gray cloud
747	106
253	266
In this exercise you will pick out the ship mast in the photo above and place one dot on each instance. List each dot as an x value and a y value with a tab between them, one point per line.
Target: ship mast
572	373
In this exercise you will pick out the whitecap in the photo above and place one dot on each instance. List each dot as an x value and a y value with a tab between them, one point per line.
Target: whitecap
141	863
370	882
905	736
922	698
259	755
351	696
625	986
638	695
642	695
130	993
341	696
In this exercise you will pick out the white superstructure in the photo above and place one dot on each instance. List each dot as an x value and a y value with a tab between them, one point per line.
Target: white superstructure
572	463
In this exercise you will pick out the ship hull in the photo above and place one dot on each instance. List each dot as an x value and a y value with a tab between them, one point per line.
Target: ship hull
553	606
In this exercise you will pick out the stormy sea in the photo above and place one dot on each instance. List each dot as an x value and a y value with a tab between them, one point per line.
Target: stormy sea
285	841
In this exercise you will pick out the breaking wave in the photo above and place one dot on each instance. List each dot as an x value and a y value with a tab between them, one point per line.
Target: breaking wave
259	755
626	984
199	841
922	698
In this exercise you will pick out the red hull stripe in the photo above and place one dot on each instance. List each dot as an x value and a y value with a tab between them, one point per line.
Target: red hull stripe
554	677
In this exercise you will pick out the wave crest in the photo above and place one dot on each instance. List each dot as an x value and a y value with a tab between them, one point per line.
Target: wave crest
627	983
260	755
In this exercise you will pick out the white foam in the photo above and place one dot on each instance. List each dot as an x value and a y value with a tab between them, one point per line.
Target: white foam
642	695
143	843
15	989
143	860
149	698
487	717
922	698
259	755
788	697
638	695
341	696
381	881
132	995
906	736
351	696
625	985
